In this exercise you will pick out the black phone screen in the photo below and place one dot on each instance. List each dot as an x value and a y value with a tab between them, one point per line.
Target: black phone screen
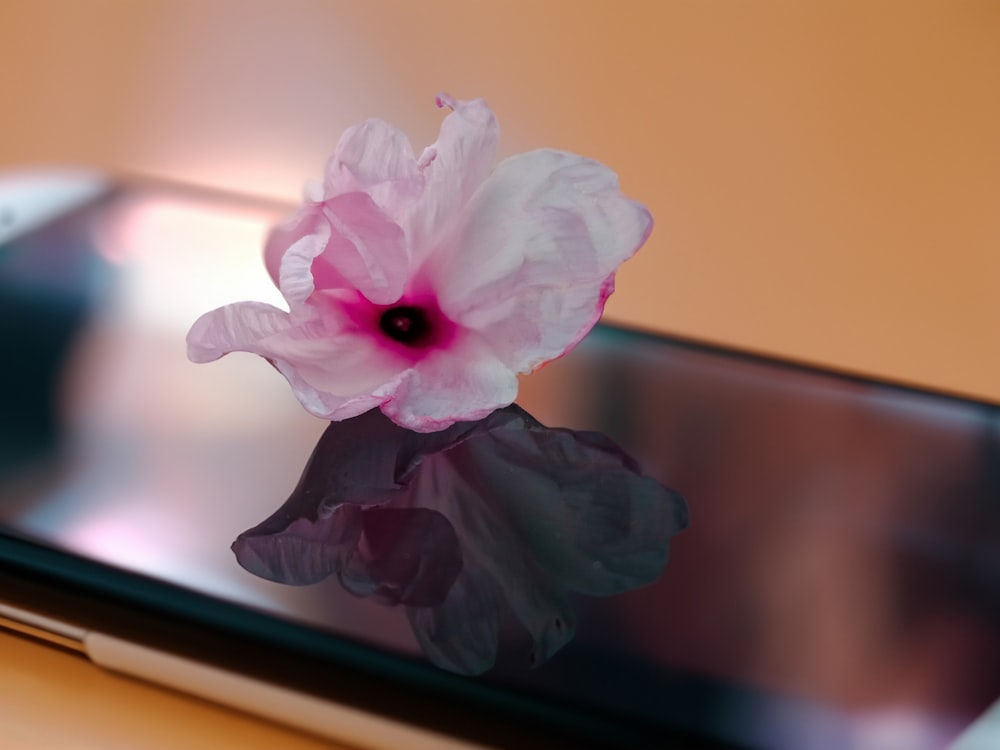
838	587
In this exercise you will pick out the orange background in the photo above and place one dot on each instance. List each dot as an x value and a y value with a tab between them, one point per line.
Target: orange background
825	176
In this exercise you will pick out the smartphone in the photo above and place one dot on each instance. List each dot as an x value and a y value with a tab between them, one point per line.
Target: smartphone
838	586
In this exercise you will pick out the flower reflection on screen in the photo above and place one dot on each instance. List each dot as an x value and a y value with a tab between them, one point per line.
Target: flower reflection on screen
469	526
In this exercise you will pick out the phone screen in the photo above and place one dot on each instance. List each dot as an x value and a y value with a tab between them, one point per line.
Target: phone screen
838	587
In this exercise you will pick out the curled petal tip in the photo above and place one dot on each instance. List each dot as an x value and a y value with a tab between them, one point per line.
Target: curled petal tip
429	154
444	100
313	192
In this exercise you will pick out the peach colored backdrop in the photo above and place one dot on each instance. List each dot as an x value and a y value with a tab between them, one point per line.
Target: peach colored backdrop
825	175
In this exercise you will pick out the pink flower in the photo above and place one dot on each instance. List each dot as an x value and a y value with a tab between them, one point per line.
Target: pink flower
423	286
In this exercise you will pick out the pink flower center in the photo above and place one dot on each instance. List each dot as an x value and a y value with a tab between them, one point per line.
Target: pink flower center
411	327
406	324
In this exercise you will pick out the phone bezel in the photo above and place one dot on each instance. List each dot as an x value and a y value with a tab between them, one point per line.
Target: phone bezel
152	613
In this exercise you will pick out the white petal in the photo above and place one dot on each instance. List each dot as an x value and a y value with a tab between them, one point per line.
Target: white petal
300	224
377	159
295	277
366	248
453	168
335	374
237	327
347	242
370	153
534	261
466	148
460	383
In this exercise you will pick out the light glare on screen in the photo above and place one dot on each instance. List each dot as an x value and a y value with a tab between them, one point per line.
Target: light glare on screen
186	257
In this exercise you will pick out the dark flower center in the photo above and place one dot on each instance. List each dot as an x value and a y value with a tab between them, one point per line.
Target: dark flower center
407	325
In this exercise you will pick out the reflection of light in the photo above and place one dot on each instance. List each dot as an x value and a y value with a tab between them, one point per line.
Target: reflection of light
984	734
29	198
906	730
116	538
138	532
794	724
183	257
921	407
783	724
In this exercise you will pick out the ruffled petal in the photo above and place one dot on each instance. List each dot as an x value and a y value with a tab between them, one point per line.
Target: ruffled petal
346	242
533	263
306	240
377	159
334	373
236	327
302	223
461	383
367	249
453	168
327	405
466	148
369	154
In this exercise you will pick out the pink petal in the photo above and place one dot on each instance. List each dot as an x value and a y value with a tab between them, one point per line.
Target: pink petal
300	224
236	327
377	159
466	148
334	372
461	383
346	242
373	158
368	154
534	261
296	247
454	167
366	248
